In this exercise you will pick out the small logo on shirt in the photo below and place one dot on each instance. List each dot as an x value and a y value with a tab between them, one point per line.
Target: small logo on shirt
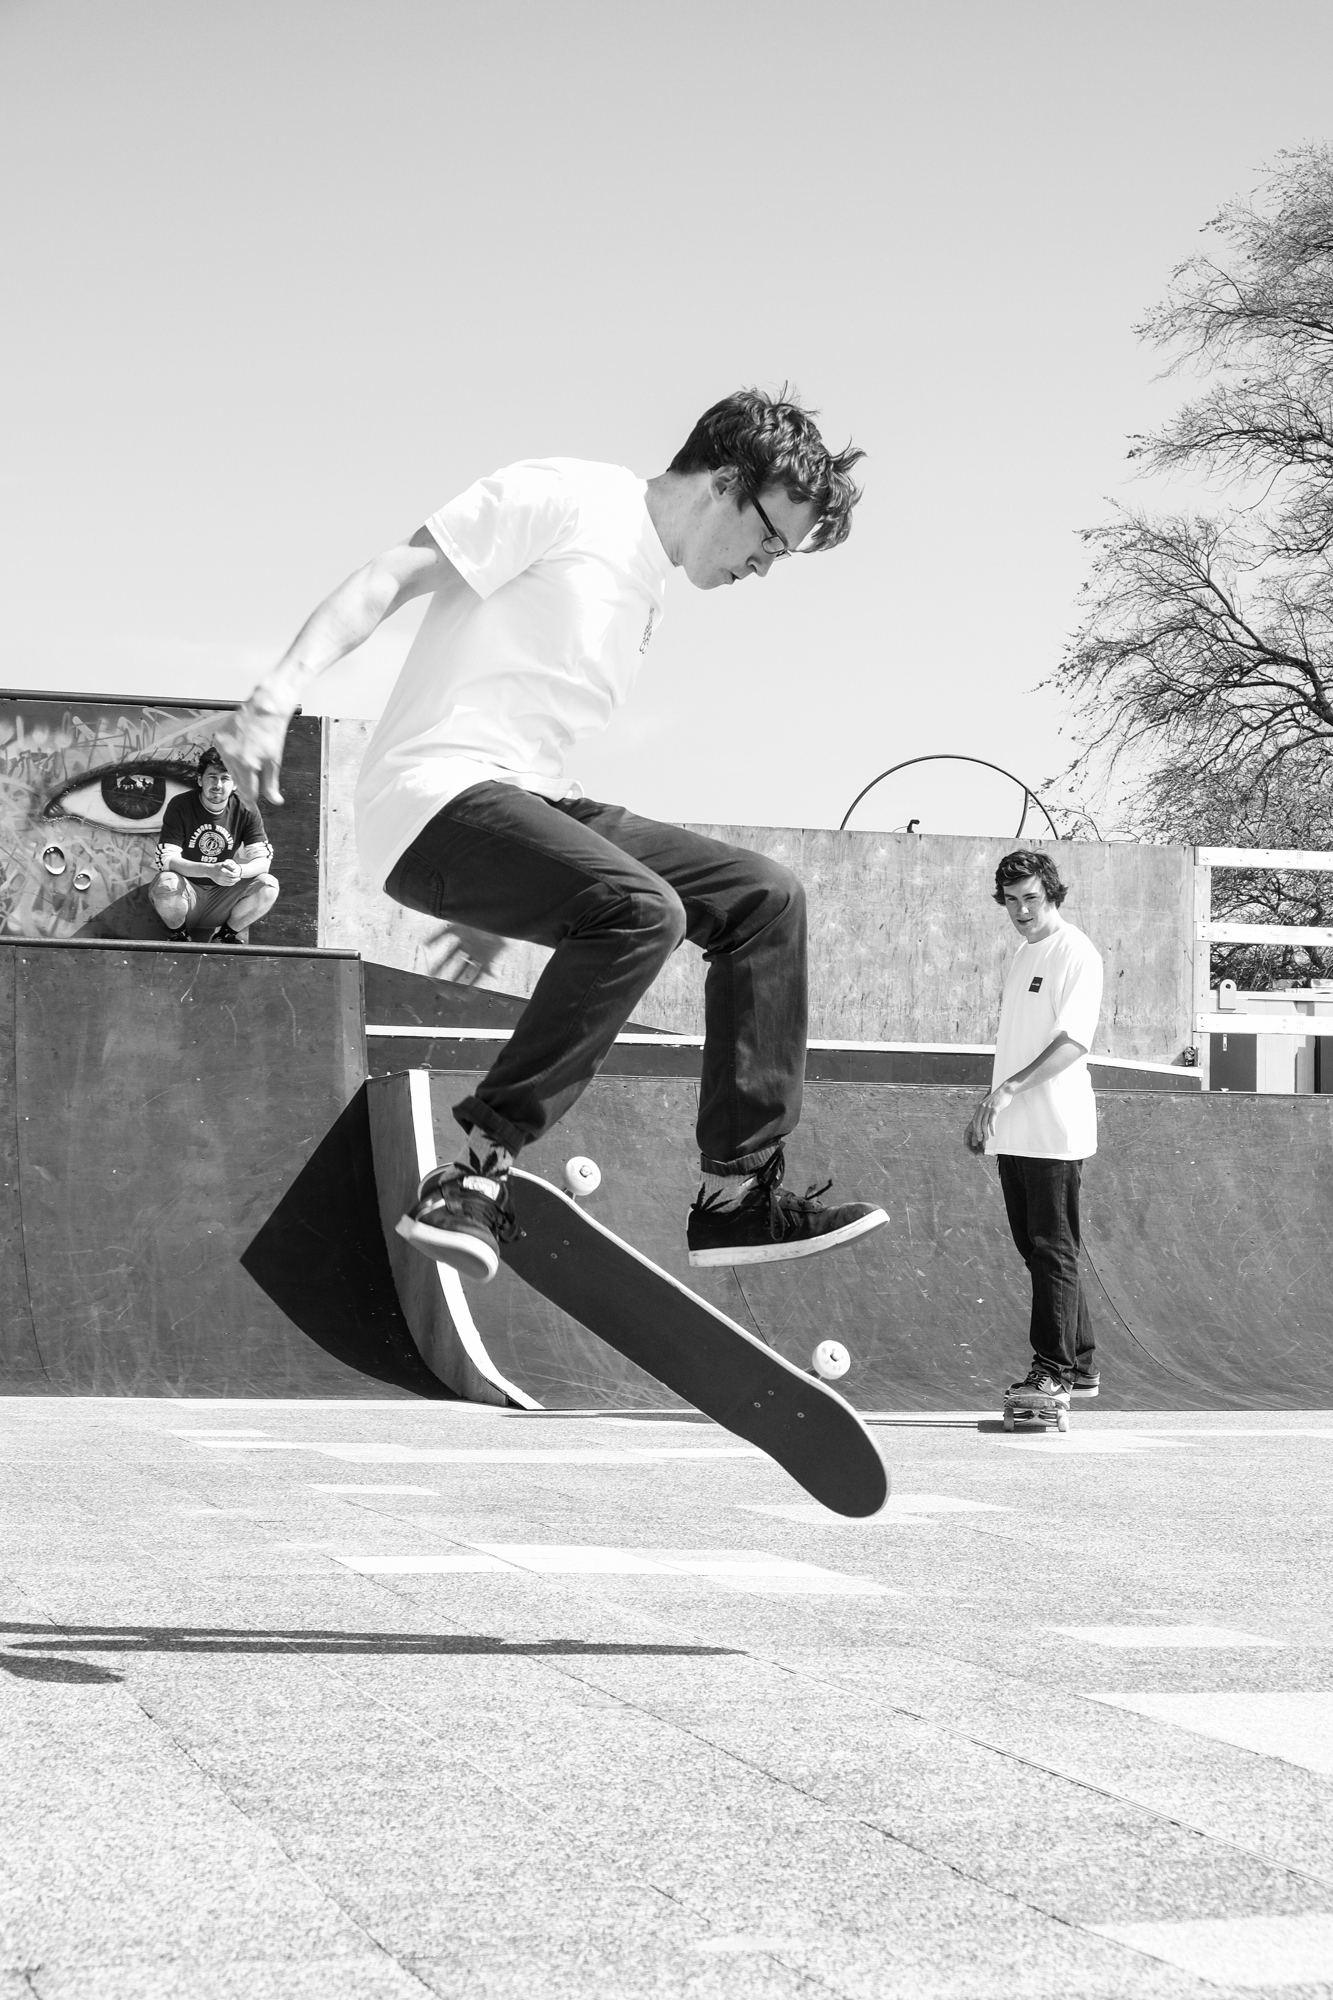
1036	985
647	633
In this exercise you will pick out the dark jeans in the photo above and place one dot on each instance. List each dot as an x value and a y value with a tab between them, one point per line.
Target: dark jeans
1041	1199
614	895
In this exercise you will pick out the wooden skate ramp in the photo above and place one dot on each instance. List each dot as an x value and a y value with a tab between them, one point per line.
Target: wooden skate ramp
187	1205
1208	1221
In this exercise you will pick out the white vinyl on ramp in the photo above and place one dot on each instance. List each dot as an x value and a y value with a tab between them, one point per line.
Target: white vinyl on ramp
431	1295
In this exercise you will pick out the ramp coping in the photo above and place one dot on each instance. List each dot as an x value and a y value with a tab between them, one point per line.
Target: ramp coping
388	1031
173	945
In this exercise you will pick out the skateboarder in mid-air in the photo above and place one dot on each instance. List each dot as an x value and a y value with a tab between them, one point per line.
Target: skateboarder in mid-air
1040	1117
547	582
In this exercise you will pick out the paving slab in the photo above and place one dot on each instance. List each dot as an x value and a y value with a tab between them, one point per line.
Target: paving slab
236	1765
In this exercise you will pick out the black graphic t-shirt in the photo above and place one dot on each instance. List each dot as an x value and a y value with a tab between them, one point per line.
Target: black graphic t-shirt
201	837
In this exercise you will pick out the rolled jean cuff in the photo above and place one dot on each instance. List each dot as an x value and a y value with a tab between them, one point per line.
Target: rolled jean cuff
473	1113
748	1163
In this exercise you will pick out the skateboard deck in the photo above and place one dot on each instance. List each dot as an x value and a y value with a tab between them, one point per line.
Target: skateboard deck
693	1349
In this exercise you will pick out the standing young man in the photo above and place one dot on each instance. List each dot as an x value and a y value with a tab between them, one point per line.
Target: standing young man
547	583
1040	1117
213	859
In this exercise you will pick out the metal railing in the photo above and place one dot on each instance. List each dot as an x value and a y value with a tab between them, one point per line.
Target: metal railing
1235	1021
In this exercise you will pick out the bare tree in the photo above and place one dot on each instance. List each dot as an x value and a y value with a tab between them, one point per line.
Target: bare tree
1207	645
1287	804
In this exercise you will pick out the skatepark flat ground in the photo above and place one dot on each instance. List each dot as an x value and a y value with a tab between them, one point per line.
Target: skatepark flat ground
372	1699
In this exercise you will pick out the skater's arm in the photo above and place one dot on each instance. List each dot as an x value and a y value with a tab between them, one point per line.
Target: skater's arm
251	738
253	860
1057	1056
173	861
348	616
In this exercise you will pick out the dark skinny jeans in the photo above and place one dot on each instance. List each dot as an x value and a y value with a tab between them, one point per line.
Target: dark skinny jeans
614	895
1041	1200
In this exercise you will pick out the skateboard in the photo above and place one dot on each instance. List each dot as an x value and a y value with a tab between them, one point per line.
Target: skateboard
1026	1409
693	1349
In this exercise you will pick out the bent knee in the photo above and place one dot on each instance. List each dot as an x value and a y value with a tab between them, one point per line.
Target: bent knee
780	891
268	883
166	885
661	913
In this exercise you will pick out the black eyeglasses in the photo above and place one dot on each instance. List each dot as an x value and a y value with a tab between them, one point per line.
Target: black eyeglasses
773	544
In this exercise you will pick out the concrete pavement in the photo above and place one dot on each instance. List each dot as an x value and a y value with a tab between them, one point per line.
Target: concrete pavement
402	1698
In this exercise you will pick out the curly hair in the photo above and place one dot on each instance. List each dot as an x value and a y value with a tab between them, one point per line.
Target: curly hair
1025	861
773	441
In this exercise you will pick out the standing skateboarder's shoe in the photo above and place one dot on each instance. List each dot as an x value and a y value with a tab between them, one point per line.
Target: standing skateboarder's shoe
1085	1383
771	1223
461	1218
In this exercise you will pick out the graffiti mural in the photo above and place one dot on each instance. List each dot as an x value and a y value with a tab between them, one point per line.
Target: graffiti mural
83	786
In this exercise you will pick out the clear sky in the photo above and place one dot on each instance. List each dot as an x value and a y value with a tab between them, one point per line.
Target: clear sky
282	276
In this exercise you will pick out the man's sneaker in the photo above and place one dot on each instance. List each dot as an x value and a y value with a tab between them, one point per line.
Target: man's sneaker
224	934
771	1223
1038	1385
179	936
1085	1384
461	1218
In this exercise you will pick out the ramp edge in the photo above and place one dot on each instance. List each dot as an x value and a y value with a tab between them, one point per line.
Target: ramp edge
431	1295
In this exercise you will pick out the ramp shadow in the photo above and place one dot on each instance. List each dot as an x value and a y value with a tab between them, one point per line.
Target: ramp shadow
321	1258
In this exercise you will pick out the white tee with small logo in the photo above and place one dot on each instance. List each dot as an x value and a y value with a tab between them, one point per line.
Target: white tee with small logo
567	581
1052	987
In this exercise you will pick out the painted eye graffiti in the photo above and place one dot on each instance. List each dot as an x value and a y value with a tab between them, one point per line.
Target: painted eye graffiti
129	798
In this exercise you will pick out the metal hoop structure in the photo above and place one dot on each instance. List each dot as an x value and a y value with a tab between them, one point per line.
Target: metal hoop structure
954	757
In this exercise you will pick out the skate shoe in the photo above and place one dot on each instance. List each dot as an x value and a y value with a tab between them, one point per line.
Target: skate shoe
1085	1384
1038	1385
771	1223
461	1219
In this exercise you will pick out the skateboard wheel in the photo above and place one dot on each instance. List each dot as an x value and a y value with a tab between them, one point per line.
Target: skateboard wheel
1062	1422
830	1359
582	1176
1008	1420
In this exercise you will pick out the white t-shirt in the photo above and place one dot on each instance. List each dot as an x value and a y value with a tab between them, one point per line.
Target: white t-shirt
567	577
1051	987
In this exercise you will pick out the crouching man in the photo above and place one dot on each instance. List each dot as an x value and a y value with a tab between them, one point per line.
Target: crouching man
1040	1117
213	858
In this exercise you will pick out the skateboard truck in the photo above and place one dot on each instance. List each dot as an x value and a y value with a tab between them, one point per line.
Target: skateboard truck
1026	1410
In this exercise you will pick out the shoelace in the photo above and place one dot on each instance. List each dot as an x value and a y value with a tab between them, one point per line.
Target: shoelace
786	1209
506	1222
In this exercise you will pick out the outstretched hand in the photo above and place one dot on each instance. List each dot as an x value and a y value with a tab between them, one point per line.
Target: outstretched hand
250	741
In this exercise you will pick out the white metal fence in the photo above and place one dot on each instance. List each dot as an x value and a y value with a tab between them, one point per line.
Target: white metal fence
1209	1021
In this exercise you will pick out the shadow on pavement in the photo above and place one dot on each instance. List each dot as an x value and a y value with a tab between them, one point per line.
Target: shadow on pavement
38	1642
